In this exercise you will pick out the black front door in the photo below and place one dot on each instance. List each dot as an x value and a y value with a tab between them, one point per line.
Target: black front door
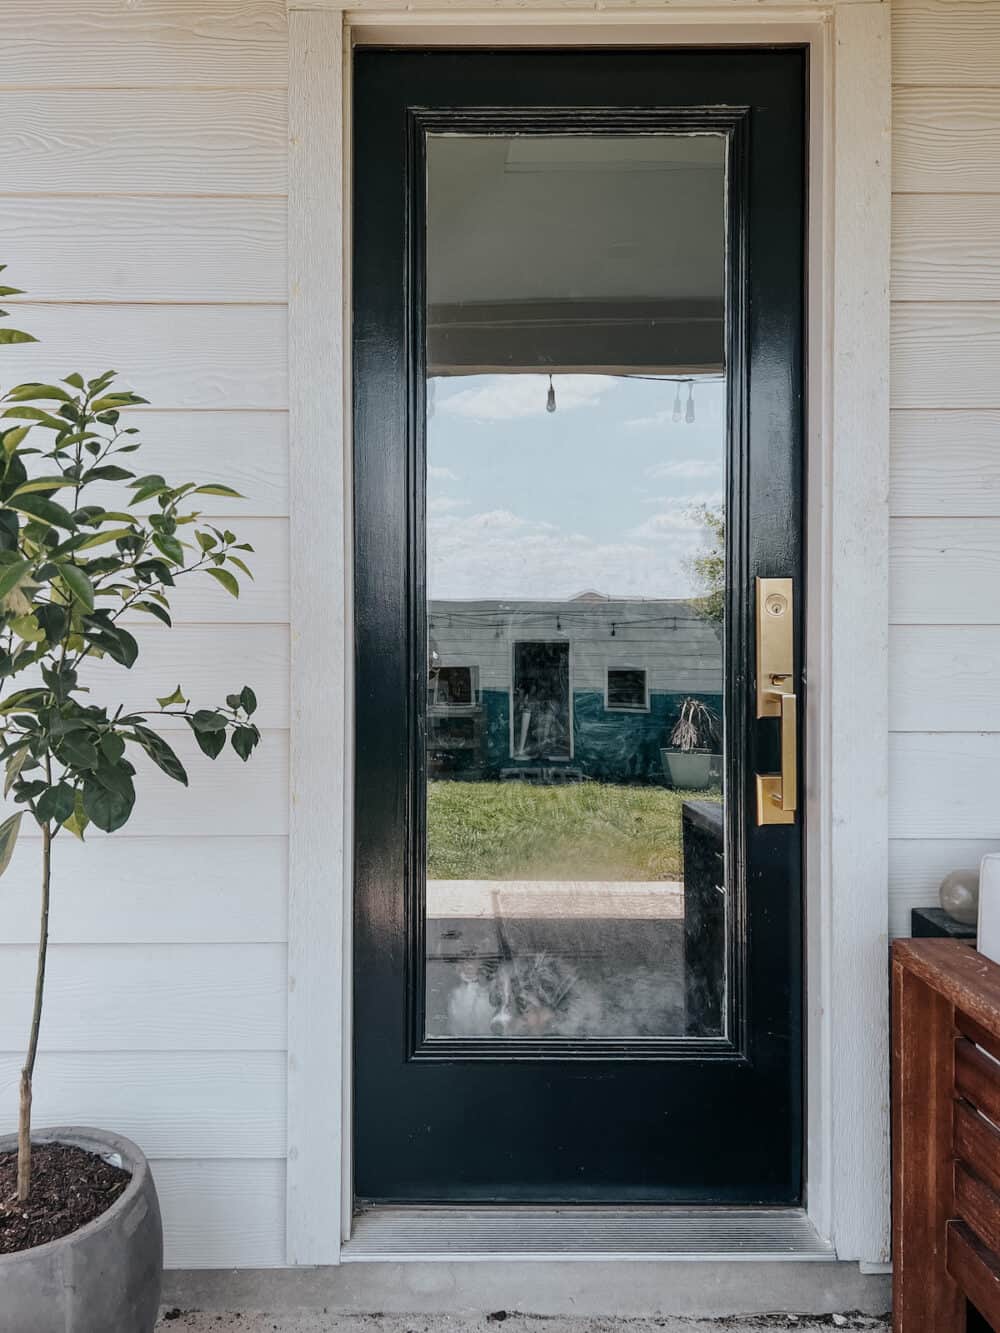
578	424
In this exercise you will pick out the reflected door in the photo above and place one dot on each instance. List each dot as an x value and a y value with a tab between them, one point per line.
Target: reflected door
578	425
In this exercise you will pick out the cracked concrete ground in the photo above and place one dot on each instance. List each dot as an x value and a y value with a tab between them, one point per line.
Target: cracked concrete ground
191	1321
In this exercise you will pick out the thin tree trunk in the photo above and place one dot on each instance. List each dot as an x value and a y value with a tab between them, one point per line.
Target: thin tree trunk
24	1108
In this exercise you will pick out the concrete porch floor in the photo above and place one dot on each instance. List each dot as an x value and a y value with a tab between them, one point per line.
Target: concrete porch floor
175	1320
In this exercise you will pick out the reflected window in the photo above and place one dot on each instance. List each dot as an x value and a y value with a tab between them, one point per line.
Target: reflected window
626	690
453	687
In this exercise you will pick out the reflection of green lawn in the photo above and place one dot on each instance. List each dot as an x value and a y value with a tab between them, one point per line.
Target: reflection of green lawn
582	830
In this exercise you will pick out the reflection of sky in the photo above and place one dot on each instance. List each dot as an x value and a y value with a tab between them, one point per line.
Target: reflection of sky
523	503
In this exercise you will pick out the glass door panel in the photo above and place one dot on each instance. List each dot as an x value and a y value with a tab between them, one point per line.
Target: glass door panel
577	442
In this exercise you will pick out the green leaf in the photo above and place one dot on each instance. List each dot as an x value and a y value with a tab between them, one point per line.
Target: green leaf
108	809
206	719
42	484
11	575
37	414
170	547
107	473
16	336
37	506
211	743
235	560
209	731
28	629
216	488
8	837
227	580
12	438
76	379
80	586
161	754
244	739
41	392
152	609
56	804
99	539
112	746
78	820
248	700
123	399
78	751
176	698
14	765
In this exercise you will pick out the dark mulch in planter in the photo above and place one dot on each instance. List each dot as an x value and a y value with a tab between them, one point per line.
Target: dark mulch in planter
69	1188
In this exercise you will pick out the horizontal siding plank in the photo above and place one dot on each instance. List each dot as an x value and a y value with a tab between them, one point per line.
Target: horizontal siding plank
174	1104
143	141
247	450
945	463
945	42
946	247
208	661
222	1214
174	356
124	249
164	890
944	678
945	139
225	798
918	865
104	43
946	354
944	786
944	571
163	997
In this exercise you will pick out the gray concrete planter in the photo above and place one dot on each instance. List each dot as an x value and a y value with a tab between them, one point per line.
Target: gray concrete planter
690	770
104	1278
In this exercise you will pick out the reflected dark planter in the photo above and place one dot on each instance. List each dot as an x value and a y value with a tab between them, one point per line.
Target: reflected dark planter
103	1278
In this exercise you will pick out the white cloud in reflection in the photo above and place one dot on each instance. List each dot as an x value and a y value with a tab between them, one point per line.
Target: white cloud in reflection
688	468
497	554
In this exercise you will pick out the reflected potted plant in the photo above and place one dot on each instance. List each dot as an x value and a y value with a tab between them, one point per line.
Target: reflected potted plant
691	760
86	546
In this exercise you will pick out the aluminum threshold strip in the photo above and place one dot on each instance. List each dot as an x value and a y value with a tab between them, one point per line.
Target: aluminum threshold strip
390	1233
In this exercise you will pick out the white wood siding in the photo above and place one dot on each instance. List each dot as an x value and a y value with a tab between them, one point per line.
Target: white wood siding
142	204
945	486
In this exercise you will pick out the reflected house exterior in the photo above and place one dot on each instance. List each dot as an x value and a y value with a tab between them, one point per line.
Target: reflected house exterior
588	687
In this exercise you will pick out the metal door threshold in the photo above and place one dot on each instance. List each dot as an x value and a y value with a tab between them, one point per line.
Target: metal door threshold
424	1233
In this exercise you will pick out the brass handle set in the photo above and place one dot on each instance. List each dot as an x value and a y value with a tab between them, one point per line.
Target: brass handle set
777	793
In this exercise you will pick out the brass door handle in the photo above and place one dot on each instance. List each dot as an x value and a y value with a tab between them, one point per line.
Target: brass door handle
777	793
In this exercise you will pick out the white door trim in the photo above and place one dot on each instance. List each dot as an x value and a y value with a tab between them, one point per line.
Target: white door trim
847	712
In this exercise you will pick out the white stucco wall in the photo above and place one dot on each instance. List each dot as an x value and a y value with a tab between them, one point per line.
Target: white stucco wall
142	204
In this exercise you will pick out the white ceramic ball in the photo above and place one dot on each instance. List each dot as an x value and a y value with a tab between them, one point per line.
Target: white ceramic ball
959	895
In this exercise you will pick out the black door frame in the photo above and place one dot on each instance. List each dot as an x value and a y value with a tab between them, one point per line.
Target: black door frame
750	747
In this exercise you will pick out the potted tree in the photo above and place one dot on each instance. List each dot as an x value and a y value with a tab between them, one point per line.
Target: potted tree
80	1235
691	759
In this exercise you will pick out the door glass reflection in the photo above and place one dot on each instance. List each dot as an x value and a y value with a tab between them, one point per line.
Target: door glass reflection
576	453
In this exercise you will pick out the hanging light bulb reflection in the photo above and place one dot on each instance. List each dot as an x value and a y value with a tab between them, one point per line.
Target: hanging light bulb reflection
677	405
550	401
689	412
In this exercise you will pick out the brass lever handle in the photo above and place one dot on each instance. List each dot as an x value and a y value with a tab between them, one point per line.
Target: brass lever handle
777	793
787	799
